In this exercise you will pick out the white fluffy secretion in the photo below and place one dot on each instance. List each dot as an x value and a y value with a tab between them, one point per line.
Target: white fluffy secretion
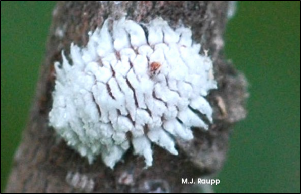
111	94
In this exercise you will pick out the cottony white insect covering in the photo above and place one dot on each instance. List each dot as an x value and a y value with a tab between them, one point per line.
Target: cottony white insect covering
109	90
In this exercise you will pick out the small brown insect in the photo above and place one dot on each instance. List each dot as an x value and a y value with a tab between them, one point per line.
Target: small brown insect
154	67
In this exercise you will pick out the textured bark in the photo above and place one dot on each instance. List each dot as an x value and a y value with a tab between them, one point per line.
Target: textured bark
44	163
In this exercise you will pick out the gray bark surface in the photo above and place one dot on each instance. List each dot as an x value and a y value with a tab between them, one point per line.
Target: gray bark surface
45	164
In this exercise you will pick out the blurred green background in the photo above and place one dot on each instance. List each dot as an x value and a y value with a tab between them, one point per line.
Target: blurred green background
263	41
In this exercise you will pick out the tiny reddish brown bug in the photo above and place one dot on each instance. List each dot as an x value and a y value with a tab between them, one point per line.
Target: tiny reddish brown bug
154	67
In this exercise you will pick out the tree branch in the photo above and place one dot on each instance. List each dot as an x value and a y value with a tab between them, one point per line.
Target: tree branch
44	163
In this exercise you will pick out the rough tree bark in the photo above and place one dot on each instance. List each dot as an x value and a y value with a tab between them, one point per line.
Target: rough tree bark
45	164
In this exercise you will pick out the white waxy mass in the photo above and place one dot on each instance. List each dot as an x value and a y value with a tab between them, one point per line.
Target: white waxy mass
146	80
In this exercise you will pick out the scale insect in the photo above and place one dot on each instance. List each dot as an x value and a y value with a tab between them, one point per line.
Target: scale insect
109	91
